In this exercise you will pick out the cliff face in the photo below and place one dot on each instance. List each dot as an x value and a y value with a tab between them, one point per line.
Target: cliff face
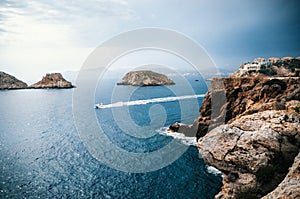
246	96
254	152
53	80
249	129
145	78
10	82
259	140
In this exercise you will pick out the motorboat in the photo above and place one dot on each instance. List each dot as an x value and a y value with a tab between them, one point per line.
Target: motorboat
99	106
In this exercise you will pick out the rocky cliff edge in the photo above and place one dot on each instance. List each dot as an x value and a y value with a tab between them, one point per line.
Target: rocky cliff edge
253	136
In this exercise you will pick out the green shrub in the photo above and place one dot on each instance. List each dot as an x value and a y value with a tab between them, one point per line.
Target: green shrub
297	109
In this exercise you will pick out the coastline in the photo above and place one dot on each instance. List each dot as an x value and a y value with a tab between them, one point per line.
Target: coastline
250	99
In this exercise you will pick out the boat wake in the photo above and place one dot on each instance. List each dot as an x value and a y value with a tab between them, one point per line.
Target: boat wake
147	101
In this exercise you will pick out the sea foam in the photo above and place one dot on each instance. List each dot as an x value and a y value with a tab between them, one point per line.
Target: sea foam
191	141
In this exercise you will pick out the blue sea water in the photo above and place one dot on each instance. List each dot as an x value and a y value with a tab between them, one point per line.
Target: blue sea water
42	155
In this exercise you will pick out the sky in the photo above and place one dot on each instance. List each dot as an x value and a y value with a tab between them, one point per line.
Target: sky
40	36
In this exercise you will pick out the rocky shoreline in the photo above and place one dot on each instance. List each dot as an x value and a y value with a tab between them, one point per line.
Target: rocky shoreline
50	81
253	136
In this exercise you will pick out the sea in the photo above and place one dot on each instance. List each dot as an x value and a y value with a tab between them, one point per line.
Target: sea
42	154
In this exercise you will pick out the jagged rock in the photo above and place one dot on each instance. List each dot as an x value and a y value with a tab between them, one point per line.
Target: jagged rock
145	78
53	80
254	152
244	96
10	82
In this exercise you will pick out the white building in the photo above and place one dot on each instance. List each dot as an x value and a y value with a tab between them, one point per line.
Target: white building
250	67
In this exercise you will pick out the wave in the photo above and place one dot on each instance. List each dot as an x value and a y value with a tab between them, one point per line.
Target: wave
191	141
214	171
148	101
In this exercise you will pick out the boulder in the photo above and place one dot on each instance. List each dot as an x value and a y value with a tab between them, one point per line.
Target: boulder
254	152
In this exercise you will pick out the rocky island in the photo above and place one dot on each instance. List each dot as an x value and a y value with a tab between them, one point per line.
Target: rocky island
52	80
253	138
10	82
145	78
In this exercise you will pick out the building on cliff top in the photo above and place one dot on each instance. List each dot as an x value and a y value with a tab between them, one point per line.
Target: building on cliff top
273	59
286	58
260	61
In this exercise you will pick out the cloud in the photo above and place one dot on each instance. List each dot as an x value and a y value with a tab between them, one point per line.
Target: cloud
231	31
83	21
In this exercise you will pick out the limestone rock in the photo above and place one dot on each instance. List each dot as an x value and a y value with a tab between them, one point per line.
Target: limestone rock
244	96
254	151
10	82
145	78
53	80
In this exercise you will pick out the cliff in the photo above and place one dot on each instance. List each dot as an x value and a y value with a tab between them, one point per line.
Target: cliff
254	152
10	82
145	78
244	96
253	136
52	80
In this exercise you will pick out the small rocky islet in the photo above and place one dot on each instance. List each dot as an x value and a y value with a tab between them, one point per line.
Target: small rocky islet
145	78
10	82
49	81
52	80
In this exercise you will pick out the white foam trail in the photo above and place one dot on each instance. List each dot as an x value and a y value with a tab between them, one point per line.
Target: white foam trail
191	141
148	101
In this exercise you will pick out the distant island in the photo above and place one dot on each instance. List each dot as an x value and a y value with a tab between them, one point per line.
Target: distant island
10	82
51	80
145	78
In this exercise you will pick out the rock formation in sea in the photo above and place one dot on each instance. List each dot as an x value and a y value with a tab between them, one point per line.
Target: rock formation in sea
10	82
145	78
253	137
52	80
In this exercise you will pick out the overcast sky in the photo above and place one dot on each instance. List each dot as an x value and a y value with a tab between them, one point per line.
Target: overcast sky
39	36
